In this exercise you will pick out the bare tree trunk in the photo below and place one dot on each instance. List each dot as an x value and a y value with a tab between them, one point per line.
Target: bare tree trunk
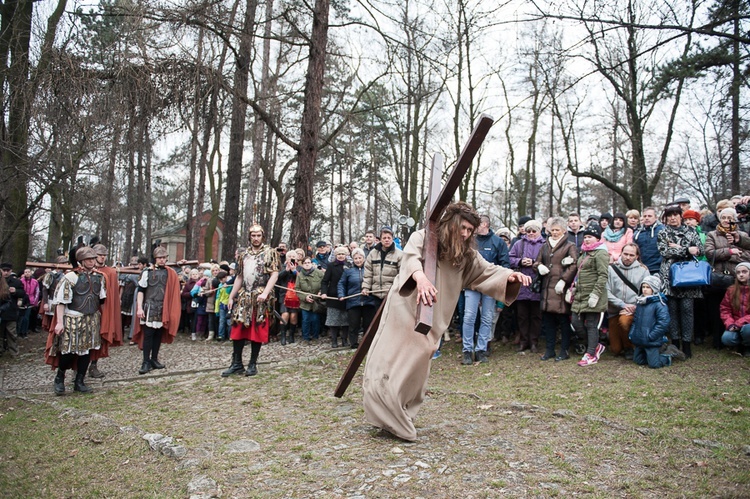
310	132
192	222
109	186
237	133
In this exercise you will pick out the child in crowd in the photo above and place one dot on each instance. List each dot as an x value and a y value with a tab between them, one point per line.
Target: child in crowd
735	311
650	326
199	305
220	306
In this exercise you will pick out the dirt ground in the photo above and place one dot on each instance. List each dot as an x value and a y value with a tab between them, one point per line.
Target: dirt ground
515	427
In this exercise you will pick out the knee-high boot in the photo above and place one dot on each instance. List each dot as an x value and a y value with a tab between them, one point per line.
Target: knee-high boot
148	342
252	368
292	332
282	334
155	346
64	364
236	367
686	349
83	364
344	336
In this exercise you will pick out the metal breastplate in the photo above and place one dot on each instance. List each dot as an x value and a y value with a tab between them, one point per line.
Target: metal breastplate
86	293
154	299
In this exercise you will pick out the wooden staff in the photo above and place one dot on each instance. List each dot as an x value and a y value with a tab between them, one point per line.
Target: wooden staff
330	297
49	265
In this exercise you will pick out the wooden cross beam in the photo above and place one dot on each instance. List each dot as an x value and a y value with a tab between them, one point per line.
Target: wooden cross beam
437	201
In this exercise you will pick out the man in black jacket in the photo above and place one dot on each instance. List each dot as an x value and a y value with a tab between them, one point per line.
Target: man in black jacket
9	310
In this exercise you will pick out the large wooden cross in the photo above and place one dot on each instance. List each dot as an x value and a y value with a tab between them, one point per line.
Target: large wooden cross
437	201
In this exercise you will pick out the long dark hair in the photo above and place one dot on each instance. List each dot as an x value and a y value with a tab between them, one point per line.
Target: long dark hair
451	246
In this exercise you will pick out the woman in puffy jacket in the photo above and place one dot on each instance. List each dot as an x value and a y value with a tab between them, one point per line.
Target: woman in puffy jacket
556	266
360	309
590	300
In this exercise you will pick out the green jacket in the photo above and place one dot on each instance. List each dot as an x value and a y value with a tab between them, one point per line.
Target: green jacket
309	283
593	271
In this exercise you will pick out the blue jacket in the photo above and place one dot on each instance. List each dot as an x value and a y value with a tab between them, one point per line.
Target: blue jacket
650	323
351	284
645	238
493	249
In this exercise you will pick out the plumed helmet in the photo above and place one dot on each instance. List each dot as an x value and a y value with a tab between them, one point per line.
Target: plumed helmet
160	252
85	253
100	249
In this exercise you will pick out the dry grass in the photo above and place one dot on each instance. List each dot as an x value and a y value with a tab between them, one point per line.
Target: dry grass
486	430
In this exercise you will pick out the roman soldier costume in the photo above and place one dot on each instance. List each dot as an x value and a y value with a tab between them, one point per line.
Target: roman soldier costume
257	269
158	310
76	325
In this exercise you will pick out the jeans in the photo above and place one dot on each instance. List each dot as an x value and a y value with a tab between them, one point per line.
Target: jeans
735	338
473	300
23	322
223	322
310	325
651	356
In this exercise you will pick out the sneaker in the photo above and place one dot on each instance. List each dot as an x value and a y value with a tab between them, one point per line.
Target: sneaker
482	357
587	360
599	351
436	355
468	359
673	351
563	356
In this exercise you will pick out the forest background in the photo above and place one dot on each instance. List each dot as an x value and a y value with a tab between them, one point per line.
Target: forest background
319	118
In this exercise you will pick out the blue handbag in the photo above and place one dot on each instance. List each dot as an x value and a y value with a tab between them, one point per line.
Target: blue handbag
690	274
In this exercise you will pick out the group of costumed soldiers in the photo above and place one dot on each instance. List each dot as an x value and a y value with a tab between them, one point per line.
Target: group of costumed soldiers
81	310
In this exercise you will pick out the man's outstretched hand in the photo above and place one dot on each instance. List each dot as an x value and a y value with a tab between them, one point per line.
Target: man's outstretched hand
519	277
426	292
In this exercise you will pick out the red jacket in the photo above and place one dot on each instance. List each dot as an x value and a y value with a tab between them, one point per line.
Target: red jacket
731	317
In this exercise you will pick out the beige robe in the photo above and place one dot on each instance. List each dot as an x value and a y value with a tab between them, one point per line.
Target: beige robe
398	363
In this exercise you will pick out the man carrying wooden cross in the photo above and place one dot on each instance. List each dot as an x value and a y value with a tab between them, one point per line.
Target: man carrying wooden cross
398	363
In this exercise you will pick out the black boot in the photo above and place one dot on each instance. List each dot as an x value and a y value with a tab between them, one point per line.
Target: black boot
83	365
282	337
686	349
292	330
252	368
145	367
236	366
79	385
155	346
60	382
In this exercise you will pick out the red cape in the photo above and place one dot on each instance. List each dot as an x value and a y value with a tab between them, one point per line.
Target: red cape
111	327
170	316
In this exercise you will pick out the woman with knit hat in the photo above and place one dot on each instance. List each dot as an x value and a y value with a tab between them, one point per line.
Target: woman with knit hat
616	236
726	247
678	243
735	311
